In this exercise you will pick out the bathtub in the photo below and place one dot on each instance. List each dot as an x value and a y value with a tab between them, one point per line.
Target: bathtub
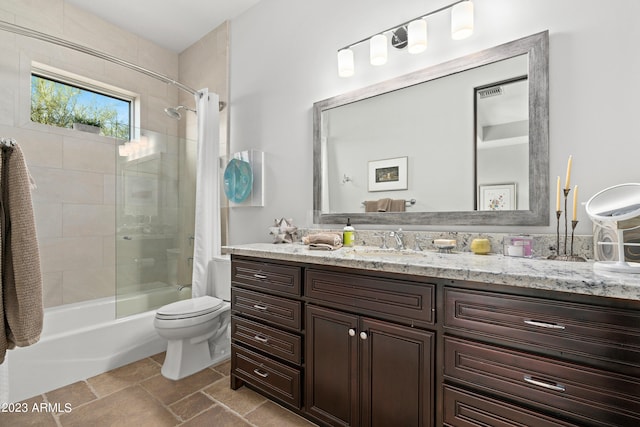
79	341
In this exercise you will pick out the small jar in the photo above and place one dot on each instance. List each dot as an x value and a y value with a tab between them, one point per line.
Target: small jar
480	246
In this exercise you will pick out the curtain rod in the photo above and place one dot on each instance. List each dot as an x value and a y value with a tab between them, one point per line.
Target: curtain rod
24	31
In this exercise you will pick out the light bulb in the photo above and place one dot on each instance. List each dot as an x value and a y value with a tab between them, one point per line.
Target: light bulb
378	49
462	20
417	36
345	63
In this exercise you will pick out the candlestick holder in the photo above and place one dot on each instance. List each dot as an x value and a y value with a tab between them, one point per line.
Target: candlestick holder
565	257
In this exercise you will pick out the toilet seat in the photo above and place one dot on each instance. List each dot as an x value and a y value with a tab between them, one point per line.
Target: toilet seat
189	308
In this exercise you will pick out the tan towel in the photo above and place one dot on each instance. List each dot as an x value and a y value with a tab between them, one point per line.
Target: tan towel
397	205
381	205
371	206
21	308
333	239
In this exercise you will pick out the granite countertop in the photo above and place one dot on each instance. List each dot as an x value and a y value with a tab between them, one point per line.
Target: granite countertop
573	277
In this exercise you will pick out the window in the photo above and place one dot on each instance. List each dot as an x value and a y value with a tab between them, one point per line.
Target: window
61	101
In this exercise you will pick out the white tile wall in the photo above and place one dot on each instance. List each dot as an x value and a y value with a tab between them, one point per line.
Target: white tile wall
83	155
88	220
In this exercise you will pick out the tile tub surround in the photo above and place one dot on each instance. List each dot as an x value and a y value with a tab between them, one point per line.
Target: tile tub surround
543	244
534	273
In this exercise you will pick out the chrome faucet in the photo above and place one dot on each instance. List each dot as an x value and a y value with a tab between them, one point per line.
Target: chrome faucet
383	237
399	238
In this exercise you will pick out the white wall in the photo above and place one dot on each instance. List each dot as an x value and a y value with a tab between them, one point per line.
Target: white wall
283	59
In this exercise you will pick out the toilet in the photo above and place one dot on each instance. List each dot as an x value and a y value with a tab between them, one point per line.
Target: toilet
197	329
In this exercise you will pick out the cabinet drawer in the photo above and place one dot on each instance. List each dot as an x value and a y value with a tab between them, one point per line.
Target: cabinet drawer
276	379
465	409
593	397
278	311
270	340
265	275
603	334
389	298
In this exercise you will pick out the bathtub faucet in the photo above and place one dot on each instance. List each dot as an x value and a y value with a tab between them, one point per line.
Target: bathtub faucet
181	287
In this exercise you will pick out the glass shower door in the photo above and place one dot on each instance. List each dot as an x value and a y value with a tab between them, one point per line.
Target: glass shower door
154	220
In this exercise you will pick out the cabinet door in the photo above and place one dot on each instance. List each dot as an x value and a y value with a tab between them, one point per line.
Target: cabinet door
331	376
396	375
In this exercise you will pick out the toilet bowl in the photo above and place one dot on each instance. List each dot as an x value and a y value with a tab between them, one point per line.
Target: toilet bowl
197	329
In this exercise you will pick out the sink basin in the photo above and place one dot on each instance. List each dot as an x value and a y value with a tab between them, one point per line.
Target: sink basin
385	252
394	253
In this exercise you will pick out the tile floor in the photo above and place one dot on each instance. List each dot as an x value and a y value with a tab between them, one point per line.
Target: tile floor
138	395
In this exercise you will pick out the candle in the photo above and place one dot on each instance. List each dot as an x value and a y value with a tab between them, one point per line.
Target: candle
558	195
575	203
567	184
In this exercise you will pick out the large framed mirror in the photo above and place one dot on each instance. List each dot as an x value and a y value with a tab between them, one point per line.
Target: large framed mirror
464	142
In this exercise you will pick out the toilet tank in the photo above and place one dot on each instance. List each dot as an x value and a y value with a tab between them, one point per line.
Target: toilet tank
221	269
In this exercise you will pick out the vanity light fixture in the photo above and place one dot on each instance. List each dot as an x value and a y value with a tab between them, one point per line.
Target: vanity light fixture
417	36
412	34
345	63
462	20
378	49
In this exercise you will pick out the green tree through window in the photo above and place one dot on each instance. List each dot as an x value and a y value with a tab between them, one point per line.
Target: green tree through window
60	104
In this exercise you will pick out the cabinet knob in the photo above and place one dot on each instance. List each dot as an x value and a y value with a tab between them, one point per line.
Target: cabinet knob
352	332
363	335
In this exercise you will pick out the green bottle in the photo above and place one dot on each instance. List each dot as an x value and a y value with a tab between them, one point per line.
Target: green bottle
348	234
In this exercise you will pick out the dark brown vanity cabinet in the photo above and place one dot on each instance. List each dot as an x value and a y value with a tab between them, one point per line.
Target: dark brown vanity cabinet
366	372
347	347
266	329
569	363
362	371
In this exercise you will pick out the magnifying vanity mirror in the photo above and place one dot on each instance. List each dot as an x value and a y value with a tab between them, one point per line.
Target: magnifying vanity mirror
463	143
618	209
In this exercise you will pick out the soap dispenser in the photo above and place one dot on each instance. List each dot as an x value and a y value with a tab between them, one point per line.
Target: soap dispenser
348	234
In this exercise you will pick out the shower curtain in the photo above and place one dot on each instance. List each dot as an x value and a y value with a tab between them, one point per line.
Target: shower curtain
207	222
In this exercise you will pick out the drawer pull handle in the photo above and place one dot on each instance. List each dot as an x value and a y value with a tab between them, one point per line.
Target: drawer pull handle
352	332
259	276
260	307
261	373
261	339
544	324
363	335
544	384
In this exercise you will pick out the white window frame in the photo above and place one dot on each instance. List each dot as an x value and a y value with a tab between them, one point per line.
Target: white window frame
66	77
